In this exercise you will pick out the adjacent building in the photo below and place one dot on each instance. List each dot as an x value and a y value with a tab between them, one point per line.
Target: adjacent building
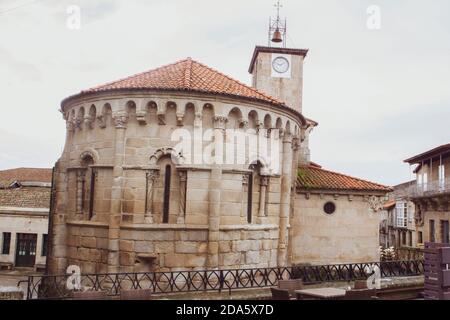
24	211
397	226
431	194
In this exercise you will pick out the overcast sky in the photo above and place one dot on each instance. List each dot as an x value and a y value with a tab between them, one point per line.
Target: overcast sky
379	95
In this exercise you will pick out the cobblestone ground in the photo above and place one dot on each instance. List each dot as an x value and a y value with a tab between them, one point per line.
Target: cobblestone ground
11	278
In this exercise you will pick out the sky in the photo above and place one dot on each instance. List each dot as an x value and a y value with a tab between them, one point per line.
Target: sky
376	81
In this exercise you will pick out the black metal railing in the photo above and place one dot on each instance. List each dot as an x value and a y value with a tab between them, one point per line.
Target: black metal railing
55	286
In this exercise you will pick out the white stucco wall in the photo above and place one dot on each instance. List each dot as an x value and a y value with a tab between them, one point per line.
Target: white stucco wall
23	220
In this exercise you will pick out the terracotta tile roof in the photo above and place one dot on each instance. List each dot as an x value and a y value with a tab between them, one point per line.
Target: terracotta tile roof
389	204
441	150
25	174
313	177
25	197
186	75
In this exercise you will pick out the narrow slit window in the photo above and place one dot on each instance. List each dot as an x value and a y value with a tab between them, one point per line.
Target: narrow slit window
167	177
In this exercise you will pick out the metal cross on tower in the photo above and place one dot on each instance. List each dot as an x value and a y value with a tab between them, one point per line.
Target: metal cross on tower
277	28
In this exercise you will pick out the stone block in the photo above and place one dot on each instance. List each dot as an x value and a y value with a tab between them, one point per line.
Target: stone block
88	242
241	245
224	246
126	245
172	260
194	261
230	259
186	247
252	257
144	246
192	235
127	258
164	247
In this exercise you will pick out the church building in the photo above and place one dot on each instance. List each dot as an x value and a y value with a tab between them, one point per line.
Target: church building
131	196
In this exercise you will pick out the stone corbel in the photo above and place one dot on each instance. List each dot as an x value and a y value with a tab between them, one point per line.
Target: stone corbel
180	117
77	123
161	118
89	122
101	120
141	117
70	126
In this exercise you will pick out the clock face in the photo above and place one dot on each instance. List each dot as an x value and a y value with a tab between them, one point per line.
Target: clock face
280	64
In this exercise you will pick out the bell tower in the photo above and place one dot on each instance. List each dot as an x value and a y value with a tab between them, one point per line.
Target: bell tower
277	70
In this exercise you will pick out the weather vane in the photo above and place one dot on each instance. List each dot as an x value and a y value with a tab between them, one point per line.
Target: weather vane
277	28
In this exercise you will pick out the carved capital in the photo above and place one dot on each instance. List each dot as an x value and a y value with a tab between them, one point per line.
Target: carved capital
245	178
101	120
120	120
296	143
287	137
182	175
89	122
77	123
264	181
243	124
152	174
81	175
70	126
219	122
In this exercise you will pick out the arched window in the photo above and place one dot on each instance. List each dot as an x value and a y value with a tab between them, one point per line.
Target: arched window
166	205
253	191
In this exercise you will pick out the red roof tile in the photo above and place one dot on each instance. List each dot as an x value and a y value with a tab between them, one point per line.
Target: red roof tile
186	75
389	204
26	197
312	177
26	174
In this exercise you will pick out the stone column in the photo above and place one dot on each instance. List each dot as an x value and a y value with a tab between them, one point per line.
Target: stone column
215	187
57	254
264	181
151	177
285	201
120	121
182	206
81	175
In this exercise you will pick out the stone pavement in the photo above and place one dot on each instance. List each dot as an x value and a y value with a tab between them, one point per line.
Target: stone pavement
10	278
